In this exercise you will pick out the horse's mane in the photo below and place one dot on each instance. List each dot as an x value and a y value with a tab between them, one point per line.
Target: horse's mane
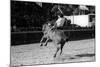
52	22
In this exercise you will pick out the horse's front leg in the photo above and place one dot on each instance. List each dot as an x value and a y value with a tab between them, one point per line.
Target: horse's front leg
41	43
46	42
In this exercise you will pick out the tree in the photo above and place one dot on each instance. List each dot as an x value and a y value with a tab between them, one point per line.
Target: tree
65	9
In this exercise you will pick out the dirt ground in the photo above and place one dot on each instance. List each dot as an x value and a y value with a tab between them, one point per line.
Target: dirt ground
33	54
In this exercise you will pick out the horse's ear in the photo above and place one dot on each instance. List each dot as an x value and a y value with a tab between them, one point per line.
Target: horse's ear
43	26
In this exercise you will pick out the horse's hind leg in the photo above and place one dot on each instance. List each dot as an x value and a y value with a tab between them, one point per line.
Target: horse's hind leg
58	48
56	52
62	45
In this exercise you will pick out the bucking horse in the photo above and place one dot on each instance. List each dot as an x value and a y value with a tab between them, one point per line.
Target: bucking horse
57	36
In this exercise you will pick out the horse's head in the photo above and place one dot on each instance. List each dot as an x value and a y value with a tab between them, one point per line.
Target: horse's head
46	27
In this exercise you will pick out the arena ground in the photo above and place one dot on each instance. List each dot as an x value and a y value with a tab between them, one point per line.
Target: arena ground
33	54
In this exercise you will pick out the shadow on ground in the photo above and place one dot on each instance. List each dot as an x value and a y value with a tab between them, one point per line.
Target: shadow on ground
73	57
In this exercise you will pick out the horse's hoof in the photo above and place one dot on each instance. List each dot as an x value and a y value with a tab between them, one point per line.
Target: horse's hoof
54	56
45	45
41	45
